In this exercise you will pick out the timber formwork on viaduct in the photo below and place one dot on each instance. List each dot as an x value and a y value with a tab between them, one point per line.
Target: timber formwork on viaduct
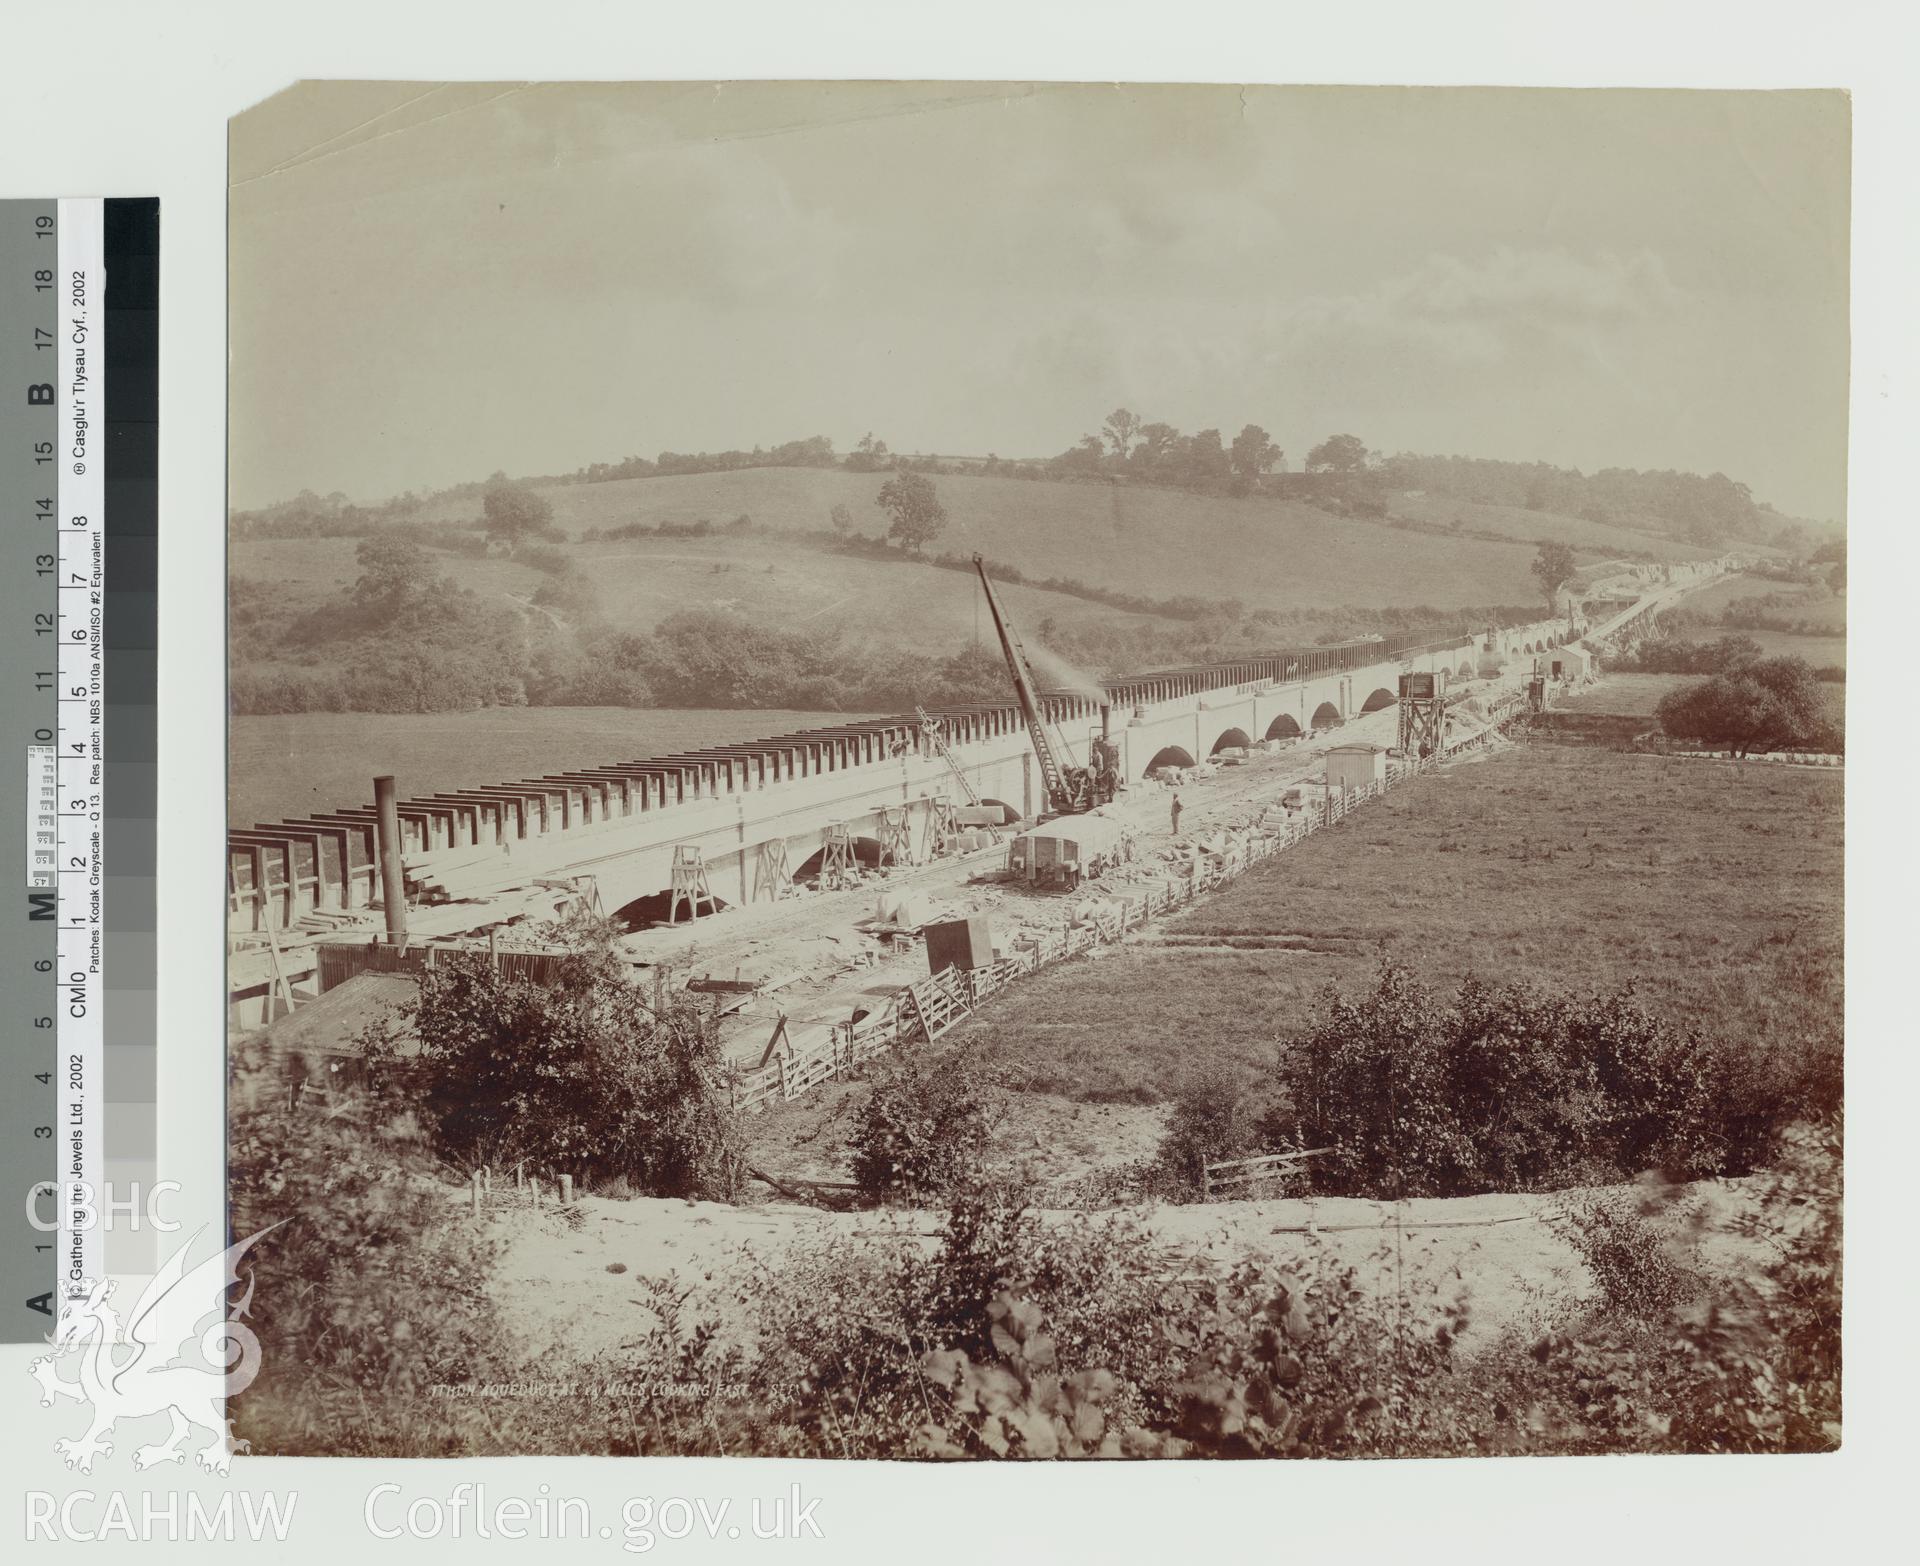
621	822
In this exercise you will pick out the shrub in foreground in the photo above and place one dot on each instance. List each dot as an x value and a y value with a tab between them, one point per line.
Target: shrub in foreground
1018	1338
579	1077
1212	1118
368	1291
1513	1089
924	1128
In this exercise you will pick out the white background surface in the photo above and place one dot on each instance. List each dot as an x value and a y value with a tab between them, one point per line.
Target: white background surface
132	99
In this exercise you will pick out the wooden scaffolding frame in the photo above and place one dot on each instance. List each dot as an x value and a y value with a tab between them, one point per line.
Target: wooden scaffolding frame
690	884
896	837
837	861
943	831
771	876
281	986
1423	725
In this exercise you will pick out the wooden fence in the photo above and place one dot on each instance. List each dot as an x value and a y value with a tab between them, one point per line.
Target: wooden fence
797	1062
337	963
1238	1177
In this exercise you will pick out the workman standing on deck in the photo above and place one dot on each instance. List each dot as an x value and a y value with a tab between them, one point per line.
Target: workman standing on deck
1176	815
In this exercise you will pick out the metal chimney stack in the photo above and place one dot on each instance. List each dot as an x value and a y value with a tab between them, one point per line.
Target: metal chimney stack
393	885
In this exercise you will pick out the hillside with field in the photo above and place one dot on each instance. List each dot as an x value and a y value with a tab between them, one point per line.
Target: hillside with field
788	588
1266	552
795	578
1744	596
1785	618
887	601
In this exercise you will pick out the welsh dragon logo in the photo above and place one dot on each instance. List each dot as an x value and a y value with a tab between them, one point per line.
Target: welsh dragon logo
161	1361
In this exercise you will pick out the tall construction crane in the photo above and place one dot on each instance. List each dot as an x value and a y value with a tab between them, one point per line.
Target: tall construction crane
1071	790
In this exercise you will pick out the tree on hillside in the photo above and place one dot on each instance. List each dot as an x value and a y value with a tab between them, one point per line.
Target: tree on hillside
842	521
1157	443
868	455
396	574
1762	704
1339	454
1086	457
516	515
1122	429
1202	460
1252	453
917	515
1553	568
976	673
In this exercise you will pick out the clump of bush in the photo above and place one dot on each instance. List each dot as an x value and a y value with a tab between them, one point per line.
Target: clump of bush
570	589
1761	704
544	557
285	690
1669	1359
1680	655
924	1129
1212	1117
1511	1089
1017	1338
1642	1269
428	678
581	1076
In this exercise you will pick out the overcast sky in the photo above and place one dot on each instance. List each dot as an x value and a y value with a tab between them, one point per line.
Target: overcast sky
429	284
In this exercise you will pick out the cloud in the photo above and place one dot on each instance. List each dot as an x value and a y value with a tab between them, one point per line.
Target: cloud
1491	309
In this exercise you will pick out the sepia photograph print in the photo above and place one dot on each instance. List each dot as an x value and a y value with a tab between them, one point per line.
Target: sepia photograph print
979	770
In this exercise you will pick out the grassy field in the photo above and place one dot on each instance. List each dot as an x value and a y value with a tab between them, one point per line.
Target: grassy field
285	766
1534	526
1716	890
1820	651
1624	695
1813	604
1636	695
643	581
1132	538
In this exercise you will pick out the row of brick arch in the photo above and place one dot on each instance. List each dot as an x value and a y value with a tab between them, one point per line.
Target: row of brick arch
1284	726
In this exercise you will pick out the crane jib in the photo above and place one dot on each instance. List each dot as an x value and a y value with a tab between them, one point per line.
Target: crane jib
1069	788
